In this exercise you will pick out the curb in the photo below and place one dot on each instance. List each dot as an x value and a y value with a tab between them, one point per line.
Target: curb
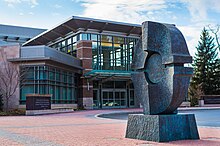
197	108
101	115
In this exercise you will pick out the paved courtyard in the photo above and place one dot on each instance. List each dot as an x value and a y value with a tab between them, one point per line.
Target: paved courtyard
82	128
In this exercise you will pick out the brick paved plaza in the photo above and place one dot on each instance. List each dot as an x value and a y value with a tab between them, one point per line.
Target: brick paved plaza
82	128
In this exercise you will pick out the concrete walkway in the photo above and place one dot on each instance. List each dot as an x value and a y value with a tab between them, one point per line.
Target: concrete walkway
82	128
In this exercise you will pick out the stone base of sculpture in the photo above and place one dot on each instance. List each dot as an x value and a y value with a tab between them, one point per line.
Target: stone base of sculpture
162	128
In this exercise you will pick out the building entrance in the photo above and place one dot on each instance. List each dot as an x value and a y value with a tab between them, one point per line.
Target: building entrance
113	94
114	98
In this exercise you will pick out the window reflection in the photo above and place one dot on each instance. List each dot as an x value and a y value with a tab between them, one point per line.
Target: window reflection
50	80
108	52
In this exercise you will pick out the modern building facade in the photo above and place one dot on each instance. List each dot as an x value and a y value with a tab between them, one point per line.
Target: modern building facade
82	62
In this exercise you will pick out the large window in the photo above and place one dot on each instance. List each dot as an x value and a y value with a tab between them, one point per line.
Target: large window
112	52
50	80
67	46
108	52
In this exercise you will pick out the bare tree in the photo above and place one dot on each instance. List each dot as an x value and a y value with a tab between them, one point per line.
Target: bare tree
10	78
215	31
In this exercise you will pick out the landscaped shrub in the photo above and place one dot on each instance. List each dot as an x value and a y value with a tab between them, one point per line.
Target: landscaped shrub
15	112
193	101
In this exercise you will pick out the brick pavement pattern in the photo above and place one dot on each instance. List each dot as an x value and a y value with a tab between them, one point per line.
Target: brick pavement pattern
82	128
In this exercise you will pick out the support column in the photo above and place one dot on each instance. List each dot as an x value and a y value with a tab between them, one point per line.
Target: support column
84	53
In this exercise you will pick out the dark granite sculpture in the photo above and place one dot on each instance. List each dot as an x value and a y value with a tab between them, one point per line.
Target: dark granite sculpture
161	81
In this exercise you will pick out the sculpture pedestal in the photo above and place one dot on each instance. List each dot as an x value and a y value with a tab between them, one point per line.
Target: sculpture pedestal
162	128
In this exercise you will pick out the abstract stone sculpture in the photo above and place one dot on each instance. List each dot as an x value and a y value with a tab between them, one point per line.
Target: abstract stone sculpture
161	81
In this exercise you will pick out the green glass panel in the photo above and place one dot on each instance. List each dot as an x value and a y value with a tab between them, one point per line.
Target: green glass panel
69	93
52	91
57	97
64	93
84	36
30	72
48	82
27	89
36	73
42	73
42	89
58	75
94	37
52	75
64	77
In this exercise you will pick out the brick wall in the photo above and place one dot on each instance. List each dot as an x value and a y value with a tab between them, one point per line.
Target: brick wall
84	53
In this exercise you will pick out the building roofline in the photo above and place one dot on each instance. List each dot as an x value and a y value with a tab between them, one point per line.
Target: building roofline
75	18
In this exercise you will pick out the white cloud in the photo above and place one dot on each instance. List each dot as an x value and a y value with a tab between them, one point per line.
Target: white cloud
11	3
199	8
191	34
154	10
199	11
122	10
137	12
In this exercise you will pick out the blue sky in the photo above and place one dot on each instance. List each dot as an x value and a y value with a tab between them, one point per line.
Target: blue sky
190	16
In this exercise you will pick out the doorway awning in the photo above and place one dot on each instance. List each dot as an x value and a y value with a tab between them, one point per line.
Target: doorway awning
108	75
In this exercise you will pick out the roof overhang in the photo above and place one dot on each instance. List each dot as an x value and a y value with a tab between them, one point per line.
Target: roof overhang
108	75
49	60
44	53
74	24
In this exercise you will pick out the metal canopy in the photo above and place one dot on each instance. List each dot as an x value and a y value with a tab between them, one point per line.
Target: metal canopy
75	23
108	75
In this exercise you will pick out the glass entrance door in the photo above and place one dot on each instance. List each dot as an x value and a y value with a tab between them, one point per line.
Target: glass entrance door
120	98
107	99
95	99
114	98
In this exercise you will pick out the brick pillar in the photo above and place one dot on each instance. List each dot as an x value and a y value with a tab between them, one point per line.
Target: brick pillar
84	53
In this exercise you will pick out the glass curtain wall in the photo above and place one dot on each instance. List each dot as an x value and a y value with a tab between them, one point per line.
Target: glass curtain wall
67	46
50	80
108	52
112	52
